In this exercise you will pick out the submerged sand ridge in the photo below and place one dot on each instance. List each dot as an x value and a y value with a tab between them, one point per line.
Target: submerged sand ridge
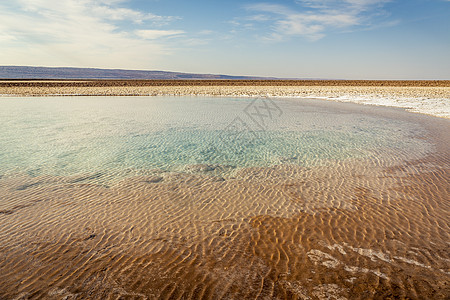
365	227
291	232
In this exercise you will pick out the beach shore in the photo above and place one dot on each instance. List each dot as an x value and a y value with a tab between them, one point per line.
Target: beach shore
372	227
427	97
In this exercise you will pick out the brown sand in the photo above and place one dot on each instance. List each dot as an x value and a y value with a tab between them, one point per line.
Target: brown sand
360	229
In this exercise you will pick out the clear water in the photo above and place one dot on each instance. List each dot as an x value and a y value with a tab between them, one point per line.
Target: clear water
123	136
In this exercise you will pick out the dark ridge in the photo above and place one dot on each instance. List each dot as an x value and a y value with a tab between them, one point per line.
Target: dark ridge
25	72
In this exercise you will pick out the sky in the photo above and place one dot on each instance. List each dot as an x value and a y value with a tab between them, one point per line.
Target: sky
327	39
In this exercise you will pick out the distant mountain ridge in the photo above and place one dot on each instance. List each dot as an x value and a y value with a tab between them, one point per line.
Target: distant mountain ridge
26	72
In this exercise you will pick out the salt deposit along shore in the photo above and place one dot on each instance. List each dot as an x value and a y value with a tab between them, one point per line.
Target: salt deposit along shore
426	97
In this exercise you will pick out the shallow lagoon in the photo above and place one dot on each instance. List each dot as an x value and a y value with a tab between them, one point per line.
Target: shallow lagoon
123	136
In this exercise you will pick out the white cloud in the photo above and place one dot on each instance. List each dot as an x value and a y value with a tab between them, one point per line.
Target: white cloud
80	33
259	17
118	14
313	18
360	5
208	32
156	34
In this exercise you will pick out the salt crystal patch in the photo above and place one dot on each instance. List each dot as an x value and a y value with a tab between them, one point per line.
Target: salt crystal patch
323	258
412	262
352	269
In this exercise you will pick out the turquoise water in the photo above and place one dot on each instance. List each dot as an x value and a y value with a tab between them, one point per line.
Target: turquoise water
124	136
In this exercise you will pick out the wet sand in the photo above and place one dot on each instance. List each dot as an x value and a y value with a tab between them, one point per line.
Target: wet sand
356	229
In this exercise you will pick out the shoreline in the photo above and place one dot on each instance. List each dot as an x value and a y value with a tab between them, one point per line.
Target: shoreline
426	97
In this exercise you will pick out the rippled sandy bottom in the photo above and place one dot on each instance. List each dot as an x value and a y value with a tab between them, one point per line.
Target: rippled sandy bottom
354	229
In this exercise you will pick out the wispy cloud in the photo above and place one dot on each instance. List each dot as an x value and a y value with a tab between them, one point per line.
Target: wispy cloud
151	34
81	33
313	19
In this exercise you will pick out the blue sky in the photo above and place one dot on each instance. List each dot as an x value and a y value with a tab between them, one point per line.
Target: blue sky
347	39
